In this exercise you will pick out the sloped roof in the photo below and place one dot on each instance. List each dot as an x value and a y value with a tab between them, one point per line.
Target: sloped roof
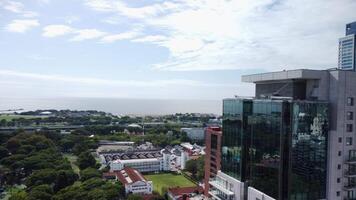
129	176
177	191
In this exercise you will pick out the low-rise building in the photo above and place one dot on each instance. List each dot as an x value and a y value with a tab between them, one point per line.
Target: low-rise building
178	193
134	181
142	165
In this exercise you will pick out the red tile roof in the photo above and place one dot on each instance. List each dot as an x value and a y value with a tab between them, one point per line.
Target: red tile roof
185	190
127	174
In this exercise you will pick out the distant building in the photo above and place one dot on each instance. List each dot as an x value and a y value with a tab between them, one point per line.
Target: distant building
195	134
142	165
347	48
143	161
134	181
212	155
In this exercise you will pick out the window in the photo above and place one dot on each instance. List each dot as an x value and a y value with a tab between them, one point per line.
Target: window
349	127
338	166
338	180
338	193
339	153
340	139
350	101
214	142
350	115
349	141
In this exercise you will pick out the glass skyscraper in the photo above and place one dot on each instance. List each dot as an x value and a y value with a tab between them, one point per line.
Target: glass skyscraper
347	53
277	146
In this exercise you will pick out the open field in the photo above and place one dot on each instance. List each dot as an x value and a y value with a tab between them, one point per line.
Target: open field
9	117
168	180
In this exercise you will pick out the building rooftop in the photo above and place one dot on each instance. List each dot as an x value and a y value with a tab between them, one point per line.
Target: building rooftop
129	175
284	75
177	191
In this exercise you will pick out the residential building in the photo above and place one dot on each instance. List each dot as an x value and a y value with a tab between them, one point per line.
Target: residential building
195	134
294	139
134	181
212	155
347	46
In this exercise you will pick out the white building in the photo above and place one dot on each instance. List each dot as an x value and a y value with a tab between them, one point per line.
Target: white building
134	182
142	165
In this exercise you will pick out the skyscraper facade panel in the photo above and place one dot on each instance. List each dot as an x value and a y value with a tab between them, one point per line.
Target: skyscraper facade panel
277	146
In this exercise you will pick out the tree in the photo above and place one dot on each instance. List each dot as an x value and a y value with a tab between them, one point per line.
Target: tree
21	195
41	192
64	178
13	144
192	167
134	197
89	173
4	152
86	160
45	176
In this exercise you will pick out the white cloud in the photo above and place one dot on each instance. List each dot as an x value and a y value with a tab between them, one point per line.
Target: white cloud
56	30
21	26
120	36
14	6
241	34
86	34
151	38
19	8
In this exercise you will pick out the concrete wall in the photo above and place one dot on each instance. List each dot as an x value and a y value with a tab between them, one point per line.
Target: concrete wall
235	185
253	194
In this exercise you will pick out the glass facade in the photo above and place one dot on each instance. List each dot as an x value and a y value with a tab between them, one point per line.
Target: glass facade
231	140
309	150
278	147
347	52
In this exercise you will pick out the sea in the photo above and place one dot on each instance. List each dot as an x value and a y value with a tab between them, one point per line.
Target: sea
115	106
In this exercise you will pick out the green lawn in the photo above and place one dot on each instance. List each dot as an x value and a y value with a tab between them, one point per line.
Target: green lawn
9	117
73	162
168	180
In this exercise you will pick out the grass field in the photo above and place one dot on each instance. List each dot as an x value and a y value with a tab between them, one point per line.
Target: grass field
9	117
168	180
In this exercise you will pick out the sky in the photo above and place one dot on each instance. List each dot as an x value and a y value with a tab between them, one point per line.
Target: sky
176	49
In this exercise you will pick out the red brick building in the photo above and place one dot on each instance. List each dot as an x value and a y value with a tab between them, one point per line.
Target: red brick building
212	154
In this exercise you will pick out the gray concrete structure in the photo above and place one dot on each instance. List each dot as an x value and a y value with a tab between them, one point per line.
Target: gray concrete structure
338	87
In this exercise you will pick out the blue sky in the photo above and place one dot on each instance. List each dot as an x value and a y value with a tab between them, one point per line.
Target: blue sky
177	49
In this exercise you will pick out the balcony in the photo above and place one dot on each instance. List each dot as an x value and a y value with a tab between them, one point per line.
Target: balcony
219	185
350	187
351	160
350	173
218	195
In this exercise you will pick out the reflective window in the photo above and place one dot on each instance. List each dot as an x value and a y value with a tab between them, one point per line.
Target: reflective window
350	101
349	127
350	115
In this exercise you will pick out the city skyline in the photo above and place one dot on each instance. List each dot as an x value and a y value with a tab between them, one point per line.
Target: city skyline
161	49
